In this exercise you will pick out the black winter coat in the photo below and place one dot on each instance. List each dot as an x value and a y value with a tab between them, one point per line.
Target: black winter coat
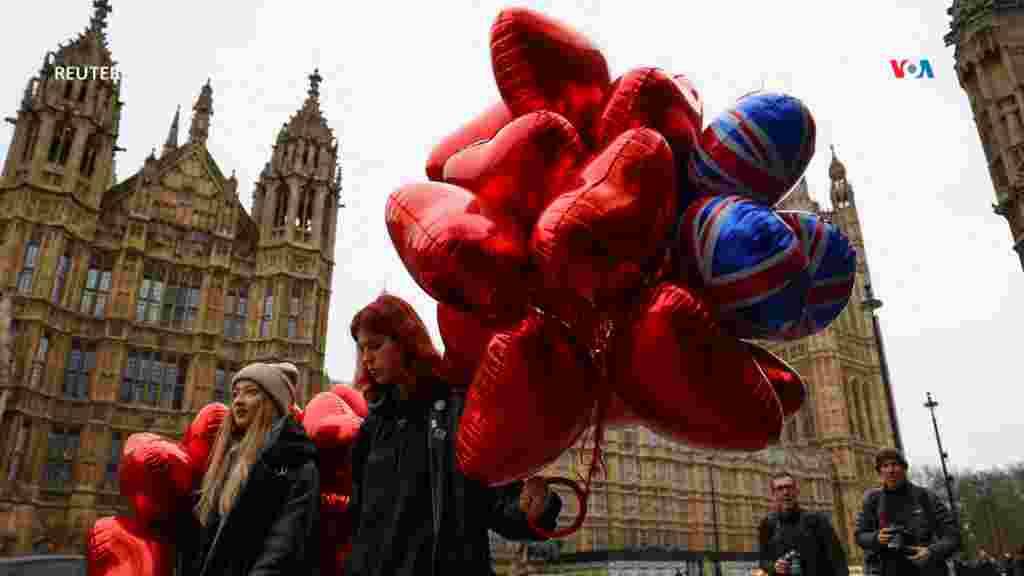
273	528
463	510
934	528
821	553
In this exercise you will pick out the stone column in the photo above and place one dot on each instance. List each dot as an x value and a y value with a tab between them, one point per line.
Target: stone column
42	146
293	208
318	215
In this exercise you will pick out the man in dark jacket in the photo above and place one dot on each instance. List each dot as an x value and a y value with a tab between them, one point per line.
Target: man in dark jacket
419	515
903	528
791	528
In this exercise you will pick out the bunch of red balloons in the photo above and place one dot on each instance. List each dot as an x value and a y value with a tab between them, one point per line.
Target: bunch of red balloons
159	477
598	259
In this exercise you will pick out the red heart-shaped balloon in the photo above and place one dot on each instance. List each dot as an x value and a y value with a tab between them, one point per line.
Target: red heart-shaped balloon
455	251
650	98
199	437
516	418
353	398
599	239
465	341
155	476
522	168
788	385
481	128
120	546
689	380
542	64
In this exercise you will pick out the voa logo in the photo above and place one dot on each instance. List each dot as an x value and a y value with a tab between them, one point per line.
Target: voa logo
907	69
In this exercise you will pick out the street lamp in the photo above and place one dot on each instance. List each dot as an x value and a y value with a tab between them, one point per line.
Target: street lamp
931	404
870	305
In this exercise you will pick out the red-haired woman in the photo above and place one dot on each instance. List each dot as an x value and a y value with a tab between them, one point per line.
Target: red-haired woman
259	504
413	510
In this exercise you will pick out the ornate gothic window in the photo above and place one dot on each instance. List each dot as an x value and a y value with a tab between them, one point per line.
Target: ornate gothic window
236	311
60	281
98	282
62	452
31	141
168	295
114	462
268	312
28	265
38	377
155	378
281	206
60	145
81	363
92	149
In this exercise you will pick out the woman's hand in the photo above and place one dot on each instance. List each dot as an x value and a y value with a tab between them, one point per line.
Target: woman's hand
533	497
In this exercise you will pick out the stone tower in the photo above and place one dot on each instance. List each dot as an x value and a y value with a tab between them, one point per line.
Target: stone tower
990	67
132	304
295	207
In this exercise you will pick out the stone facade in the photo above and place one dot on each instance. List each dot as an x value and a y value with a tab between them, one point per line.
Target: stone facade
660	494
989	52
133	303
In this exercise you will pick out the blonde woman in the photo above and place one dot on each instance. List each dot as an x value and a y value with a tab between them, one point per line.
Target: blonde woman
258	506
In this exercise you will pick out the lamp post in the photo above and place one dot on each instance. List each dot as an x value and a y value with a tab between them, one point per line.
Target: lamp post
931	404
870	305
714	513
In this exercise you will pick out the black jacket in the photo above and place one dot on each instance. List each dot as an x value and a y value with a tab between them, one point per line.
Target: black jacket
810	533
273	527
933	527
462	510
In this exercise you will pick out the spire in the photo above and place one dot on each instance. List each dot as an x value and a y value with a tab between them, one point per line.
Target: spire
841	193
314	83
836	170
99	17
172	135
203	109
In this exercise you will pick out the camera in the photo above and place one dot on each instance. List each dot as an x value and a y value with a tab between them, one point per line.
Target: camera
897	539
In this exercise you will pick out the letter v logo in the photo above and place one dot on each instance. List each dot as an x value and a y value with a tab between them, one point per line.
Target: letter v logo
897	67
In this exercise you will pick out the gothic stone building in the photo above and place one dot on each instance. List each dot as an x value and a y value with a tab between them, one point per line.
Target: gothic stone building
989	51
660	494
134	302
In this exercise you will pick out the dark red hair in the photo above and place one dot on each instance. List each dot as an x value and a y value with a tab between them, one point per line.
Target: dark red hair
393	317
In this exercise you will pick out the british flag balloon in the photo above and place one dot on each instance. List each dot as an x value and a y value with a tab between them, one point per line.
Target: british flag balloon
832	267
758	148
751	264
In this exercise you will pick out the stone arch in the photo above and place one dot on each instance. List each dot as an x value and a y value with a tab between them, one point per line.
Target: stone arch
281	198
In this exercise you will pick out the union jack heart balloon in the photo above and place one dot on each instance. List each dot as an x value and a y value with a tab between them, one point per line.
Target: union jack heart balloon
832	267
758	148
750	263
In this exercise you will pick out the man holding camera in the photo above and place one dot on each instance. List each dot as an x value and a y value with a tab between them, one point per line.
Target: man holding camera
793	541
903	528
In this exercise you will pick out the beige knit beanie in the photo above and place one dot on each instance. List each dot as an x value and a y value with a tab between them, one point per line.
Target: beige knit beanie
277	380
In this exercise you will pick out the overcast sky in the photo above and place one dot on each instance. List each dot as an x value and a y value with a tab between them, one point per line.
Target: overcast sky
399	76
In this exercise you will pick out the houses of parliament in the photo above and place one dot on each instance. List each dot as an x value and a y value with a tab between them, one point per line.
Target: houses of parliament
132	303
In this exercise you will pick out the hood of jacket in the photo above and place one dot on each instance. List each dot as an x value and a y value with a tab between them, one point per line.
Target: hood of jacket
287	444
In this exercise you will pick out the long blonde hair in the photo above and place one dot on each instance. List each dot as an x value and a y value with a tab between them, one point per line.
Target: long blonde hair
217	472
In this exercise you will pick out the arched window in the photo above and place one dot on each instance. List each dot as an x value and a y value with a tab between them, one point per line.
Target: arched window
83	91
851	407
30	142
92	148
327	221
281	206
305	220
